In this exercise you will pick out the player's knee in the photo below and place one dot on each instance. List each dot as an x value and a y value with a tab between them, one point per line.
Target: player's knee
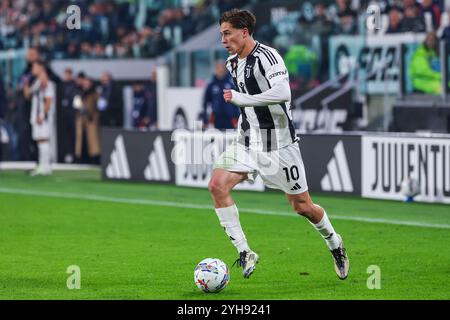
302	208
216	188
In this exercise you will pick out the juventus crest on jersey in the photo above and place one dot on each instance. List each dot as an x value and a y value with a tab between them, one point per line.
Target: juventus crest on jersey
262	127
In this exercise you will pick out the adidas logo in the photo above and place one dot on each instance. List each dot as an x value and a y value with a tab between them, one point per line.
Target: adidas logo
296	187
157	169
118	168
338	176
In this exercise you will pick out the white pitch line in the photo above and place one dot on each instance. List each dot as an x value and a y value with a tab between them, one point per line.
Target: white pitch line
207	207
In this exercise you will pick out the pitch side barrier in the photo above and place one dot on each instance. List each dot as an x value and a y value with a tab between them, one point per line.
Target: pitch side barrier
367	164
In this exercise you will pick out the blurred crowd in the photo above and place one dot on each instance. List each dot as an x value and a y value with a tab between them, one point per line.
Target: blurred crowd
83	105
347	17
109	29
302	36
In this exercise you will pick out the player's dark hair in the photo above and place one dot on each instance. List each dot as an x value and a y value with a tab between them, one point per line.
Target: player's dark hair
41	63
239	19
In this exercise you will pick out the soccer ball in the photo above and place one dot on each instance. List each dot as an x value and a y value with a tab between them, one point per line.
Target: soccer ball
410	188
211	275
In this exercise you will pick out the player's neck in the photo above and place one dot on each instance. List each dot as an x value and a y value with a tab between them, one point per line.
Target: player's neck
249	46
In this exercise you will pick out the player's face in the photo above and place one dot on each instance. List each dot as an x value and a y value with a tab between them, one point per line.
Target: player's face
36	69
232	39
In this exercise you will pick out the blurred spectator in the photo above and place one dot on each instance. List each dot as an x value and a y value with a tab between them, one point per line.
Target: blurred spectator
425	66
302	64
8	119
3	101
302	35
186	23
225	5
43	95
69	91
81	76
2	112
105	24
99	51
266	33
324	28
87	123
72	51
412	21
446	32
411	3
203	16
105	103
348	22
27	147
343	5
222	115
395	20
154	43
140	107
152	98
86	51
321	24
144	112
434	10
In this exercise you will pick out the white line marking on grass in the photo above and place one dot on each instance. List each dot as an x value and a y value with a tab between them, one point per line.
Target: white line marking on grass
207	207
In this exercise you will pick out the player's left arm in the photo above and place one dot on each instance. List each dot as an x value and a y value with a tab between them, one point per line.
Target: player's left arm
279	92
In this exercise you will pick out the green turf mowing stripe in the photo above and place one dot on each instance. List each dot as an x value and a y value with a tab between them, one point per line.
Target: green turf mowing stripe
94	197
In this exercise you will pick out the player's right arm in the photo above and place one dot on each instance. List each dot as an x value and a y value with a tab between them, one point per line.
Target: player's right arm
277	76
280	93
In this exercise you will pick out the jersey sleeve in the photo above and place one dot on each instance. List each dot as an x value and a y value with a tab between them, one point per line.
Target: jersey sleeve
50	90
274	67
276	74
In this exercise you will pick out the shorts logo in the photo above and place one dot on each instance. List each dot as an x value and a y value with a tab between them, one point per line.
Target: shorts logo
296	187
276	74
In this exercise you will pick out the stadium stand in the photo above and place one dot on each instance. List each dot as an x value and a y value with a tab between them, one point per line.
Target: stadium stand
336	84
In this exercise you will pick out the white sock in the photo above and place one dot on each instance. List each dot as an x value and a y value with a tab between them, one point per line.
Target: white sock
327	231
229	220
44	156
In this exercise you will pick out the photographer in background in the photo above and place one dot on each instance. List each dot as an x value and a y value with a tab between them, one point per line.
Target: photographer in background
87	123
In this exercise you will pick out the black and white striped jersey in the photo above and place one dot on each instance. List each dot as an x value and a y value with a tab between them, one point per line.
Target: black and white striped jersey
264	97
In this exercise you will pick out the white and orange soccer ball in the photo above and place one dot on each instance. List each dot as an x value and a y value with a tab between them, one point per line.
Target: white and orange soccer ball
211	275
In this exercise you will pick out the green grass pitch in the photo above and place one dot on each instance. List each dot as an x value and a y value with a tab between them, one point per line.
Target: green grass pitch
142	241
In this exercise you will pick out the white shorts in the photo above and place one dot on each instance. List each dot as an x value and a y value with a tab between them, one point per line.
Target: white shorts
41	131
281	169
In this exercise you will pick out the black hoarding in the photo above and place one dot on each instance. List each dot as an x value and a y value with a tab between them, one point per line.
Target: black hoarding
137	155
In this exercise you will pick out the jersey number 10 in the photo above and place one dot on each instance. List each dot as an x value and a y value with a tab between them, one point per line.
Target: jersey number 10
292	173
